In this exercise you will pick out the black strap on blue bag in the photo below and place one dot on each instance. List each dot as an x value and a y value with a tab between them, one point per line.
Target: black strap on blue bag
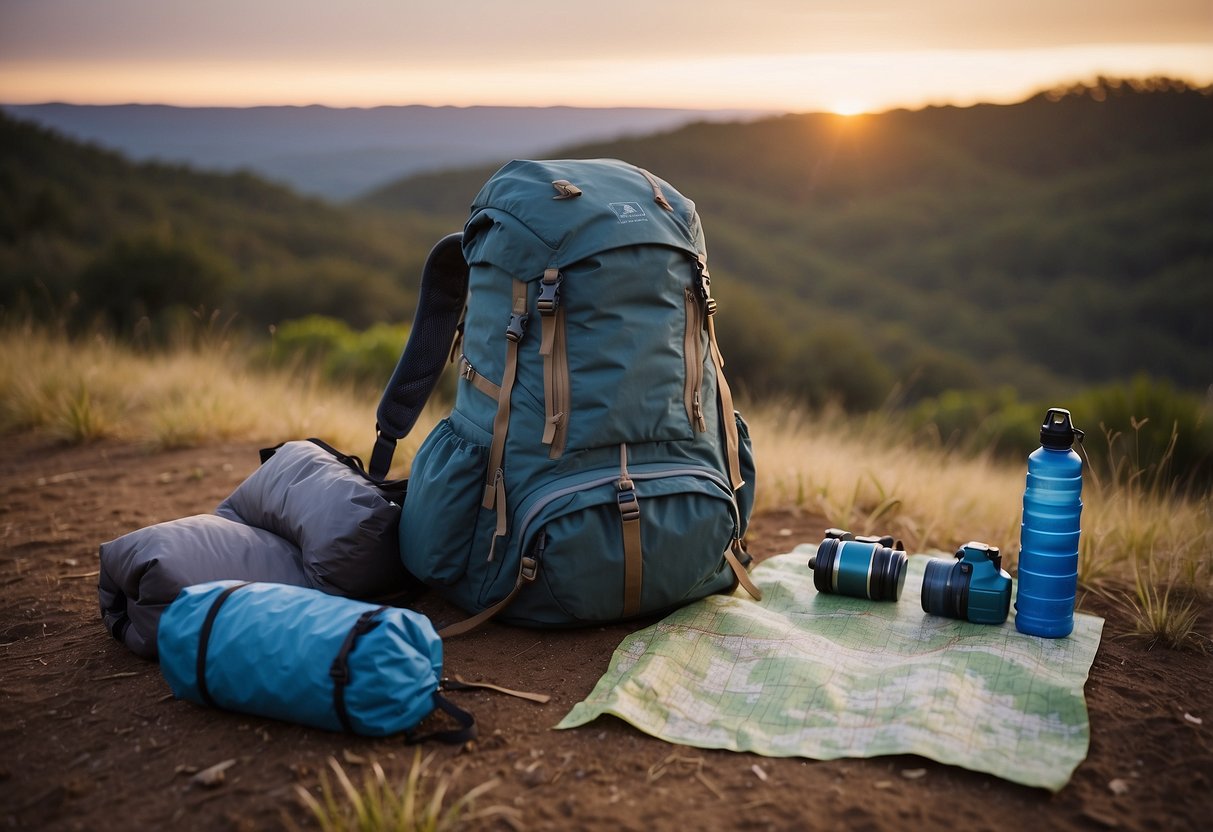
440	304
204	640
339	671
466	732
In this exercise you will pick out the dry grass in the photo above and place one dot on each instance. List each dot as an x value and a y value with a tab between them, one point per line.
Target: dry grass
864	476
867	475
84	390
418	804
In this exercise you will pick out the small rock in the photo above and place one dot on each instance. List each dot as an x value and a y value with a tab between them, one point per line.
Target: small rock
914	773
1118	787
213	776
1195	720
534	777
883	784
758	772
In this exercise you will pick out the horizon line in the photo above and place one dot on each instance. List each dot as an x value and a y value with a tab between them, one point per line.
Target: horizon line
1063	86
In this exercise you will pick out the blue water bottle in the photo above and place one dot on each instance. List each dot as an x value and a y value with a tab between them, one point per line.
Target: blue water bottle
1048	540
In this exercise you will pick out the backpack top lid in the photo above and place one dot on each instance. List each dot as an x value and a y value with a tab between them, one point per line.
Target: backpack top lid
534	215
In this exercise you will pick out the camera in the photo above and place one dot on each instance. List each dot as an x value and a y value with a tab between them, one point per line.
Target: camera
862	567
972	588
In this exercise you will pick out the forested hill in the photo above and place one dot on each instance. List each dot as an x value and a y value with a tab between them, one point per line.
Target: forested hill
1065	239
87	235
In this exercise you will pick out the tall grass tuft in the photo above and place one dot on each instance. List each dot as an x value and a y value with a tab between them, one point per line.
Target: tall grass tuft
1160	617
378	805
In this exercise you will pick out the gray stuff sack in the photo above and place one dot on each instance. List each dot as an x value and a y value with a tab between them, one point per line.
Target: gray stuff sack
345	524
309	516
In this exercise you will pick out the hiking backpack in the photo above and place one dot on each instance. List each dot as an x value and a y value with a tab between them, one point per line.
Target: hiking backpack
593	467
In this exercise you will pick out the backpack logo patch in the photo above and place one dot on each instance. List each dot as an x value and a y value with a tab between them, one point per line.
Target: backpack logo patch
629	211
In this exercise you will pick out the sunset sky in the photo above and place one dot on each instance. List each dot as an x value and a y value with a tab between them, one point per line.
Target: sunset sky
841	55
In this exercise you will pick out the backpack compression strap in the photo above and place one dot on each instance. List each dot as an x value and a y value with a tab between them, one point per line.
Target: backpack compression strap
725	396
440	303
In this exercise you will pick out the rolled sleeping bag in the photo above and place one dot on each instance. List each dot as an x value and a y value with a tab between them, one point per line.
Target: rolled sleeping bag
143	571
301	655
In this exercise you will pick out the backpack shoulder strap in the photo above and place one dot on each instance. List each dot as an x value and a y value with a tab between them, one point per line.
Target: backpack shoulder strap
440	304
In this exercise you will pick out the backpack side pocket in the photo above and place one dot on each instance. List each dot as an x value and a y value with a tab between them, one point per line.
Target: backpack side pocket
442	522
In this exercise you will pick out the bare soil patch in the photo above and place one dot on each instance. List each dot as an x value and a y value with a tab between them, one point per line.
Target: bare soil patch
94	741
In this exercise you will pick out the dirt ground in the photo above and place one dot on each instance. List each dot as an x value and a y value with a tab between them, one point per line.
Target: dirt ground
93	740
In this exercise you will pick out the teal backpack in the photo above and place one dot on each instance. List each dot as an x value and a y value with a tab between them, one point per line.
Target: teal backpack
593	467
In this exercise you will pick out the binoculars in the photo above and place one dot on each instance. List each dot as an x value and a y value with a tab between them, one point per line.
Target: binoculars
973	587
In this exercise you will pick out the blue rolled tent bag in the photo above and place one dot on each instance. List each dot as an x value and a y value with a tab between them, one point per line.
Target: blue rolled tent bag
300	655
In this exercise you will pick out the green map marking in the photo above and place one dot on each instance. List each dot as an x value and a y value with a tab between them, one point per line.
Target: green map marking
804	674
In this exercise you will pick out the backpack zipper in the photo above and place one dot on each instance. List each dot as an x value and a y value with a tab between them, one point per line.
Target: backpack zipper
692	348
658	196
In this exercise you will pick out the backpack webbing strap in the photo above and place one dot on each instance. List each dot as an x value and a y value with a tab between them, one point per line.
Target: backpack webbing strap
514	331
730	556
528	568
555	362
724	395
456	683
633	552
743	577
440	303
204	641
466	370
727	418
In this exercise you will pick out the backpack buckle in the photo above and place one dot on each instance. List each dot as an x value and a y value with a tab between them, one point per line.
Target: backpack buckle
517	326
549	292
530	568
703	282
339	671
629	506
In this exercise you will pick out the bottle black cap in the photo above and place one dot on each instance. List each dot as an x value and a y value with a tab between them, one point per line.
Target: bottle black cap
1057	431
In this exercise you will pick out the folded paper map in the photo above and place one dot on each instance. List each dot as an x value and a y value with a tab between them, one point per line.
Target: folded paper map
807	674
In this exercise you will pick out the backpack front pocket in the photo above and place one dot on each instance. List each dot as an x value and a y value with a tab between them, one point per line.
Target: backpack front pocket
587	565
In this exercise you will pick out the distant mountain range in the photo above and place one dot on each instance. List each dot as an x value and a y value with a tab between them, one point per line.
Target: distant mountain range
1060	242
341	153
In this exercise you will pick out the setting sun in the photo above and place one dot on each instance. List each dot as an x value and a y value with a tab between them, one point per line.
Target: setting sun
848	108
